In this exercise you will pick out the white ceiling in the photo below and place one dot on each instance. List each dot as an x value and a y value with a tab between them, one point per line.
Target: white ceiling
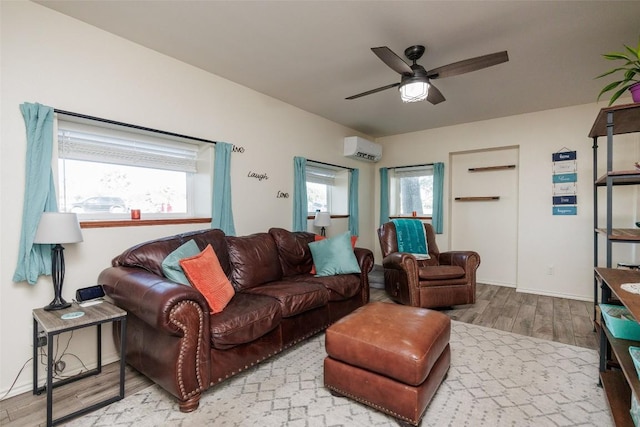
313	54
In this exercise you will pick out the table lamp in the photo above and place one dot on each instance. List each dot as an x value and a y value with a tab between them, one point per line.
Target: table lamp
56	228
322	219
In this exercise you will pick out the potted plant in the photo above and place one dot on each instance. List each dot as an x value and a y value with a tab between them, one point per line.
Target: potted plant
630	70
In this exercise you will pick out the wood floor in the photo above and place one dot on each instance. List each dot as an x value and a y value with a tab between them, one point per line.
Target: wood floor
556	319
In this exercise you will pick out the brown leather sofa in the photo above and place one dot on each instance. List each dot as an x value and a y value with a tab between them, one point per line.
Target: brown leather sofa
443	280
172	338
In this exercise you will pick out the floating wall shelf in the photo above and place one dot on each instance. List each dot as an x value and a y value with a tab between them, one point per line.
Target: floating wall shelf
477	199
492	168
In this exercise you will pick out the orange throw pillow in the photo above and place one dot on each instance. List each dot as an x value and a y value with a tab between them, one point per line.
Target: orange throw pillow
318	237
206	275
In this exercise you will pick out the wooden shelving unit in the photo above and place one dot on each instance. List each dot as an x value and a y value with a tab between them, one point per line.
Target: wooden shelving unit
617	371
630	177
618	385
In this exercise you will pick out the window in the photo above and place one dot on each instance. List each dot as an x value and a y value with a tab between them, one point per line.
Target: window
327	189
411	190
106	170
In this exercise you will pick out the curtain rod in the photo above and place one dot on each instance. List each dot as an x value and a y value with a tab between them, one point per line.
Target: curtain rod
411	166
128	125
329	164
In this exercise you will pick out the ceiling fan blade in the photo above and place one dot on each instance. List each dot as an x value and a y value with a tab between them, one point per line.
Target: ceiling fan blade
392	60
369	92
468	65
435	96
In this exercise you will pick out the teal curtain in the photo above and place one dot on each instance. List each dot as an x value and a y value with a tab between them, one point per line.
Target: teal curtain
300	194
354	228
39	192
438	185
384	195
222	209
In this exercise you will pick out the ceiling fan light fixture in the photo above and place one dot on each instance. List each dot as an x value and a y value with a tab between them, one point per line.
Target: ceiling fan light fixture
414	91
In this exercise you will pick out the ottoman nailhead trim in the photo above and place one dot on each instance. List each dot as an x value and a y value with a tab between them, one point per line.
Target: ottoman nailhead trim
373	405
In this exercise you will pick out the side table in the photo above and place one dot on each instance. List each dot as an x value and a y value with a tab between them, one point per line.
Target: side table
56	322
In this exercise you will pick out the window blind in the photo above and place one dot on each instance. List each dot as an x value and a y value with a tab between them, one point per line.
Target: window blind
320	175
413	171
156	153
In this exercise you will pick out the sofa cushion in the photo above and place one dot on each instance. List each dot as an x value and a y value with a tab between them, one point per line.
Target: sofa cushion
245	319
254	259
294	297
441	272
171	264
205	274
334	256
149	255
340	287
293	250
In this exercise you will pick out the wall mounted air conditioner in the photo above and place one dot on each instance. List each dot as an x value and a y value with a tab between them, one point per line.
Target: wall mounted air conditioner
362	149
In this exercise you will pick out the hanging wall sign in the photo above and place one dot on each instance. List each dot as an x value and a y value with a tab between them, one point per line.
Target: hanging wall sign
565	200
564	179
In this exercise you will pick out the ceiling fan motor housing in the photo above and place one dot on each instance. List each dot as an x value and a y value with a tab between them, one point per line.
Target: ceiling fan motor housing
414	52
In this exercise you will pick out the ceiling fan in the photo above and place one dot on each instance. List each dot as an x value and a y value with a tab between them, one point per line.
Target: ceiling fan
415	84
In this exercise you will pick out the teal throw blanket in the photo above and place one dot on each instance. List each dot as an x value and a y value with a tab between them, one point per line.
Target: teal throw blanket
411	236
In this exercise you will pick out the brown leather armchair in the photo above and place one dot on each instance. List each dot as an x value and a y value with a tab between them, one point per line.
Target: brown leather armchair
444	280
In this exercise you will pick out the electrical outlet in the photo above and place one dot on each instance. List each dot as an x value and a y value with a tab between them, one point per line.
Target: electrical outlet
42	340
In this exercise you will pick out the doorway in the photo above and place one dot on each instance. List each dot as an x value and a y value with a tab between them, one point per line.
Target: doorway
484	210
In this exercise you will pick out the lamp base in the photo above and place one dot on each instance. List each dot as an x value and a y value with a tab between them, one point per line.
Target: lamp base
57	274
57	304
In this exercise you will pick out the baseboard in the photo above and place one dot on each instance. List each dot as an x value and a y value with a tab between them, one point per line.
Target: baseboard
537	291
490	282
555	294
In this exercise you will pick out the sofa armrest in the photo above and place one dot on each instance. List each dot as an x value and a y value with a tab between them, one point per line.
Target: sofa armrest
147	296
401	261
168	333
365	259
403	281
468	260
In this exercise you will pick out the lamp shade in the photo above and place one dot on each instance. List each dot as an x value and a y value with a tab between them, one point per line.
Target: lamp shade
322	219
58	228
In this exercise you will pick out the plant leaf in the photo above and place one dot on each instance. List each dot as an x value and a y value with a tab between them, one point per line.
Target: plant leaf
607	88
617	95
634	53
615	70
616	55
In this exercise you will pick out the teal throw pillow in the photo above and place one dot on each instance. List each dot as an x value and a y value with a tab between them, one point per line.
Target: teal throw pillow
334	256
171	264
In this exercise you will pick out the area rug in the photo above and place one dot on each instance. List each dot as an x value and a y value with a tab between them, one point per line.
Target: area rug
496	379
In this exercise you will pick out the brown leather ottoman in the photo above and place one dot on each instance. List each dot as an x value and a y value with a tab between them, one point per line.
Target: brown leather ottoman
390	357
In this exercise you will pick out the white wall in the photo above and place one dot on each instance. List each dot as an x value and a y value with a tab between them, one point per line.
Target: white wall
61	62
566	242
49	58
